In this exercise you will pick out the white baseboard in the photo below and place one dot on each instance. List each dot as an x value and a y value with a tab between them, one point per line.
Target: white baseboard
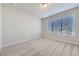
64	41
15	43
9	44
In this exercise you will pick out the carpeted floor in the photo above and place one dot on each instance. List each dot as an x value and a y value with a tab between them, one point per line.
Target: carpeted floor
41	47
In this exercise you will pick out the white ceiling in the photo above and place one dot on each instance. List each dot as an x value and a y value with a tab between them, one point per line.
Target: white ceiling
37	11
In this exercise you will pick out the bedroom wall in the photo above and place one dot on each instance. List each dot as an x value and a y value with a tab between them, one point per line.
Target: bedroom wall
0	27
18	27
60	37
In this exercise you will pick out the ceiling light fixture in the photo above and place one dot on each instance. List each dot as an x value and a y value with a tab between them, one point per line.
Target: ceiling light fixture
44	4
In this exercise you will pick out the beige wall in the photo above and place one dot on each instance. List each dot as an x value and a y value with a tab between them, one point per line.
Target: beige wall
18	27
60	37
0	27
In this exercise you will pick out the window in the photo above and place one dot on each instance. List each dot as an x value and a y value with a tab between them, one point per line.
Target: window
63	25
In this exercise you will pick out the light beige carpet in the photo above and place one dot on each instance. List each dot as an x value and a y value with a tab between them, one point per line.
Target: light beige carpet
41	47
